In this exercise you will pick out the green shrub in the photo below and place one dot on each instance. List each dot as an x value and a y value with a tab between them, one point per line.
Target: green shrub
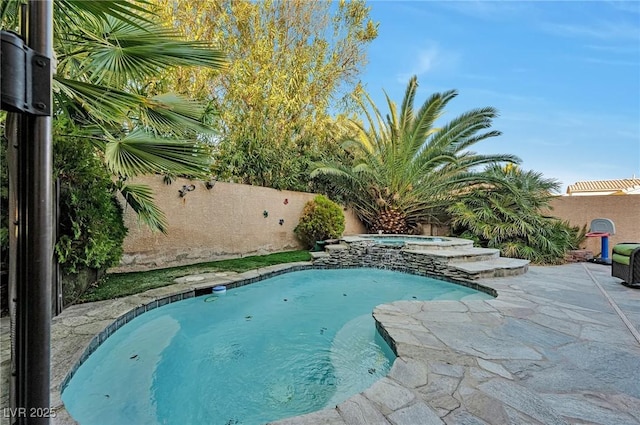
578	235
509	217
321	219
91	226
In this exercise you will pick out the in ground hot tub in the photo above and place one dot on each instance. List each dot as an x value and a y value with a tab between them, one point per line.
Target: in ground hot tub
412	241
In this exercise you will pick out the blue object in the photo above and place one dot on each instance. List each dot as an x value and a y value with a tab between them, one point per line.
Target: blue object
602	228
604	244
219	290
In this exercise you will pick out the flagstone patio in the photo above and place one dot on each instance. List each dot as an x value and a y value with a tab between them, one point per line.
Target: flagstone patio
559	345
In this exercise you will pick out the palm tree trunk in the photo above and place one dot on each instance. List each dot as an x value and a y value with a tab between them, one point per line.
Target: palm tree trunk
390	220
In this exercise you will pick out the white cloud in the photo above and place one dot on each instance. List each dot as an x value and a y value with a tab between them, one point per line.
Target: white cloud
479	77
626	6
604	30
630	49
513	97
610	61
491	10
427	60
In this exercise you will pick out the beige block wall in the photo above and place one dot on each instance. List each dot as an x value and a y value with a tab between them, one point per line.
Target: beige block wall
623	210
224	222
227	221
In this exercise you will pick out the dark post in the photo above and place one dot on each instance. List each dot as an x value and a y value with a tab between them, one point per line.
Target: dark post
56	305
35	242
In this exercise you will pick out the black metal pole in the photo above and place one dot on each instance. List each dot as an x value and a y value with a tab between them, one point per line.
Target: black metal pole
35	243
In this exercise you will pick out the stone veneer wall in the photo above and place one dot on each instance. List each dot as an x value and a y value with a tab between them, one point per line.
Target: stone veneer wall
368	254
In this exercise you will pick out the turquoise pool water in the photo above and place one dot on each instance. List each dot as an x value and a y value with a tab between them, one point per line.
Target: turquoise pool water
285	346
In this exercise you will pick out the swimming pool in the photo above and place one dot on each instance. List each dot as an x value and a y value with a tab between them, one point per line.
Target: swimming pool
285	346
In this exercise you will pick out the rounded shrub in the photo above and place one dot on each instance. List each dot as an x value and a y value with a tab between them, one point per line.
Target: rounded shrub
321	219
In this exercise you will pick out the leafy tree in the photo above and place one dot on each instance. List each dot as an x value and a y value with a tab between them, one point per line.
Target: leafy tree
292	63
508	217
407	170
110	57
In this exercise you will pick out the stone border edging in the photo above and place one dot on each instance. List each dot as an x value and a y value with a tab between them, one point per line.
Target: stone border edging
139	304
195	289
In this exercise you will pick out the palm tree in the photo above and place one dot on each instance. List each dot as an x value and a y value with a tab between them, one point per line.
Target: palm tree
110	57
406	170
509	217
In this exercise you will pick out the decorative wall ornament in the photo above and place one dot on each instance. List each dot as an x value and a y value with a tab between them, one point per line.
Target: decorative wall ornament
185	189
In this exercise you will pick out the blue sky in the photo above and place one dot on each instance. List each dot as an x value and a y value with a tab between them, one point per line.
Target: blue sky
565	76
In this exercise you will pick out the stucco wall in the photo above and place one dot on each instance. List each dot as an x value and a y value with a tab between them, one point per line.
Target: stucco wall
623	210
223	222
227	221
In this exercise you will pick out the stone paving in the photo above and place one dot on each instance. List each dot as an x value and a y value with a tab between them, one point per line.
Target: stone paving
550	349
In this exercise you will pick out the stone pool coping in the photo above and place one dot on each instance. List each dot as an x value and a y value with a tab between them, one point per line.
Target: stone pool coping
415	241
472	362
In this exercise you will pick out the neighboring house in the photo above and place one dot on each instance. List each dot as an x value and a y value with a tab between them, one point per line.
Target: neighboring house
605	187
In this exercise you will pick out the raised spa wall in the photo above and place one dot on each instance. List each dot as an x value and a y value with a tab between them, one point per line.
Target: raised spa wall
439	259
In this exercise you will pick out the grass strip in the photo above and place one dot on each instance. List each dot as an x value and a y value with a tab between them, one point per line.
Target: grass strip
115	285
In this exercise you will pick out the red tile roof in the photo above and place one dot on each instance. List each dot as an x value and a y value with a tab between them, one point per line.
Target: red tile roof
604	186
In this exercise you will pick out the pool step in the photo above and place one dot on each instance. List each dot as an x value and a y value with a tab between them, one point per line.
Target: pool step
497	267
460	255
456	260
318	254
476	263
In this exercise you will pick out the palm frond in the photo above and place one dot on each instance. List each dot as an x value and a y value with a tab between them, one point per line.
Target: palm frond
430	111
10	14
171	113
164	113
123	50
406	109
330	171
140	198
124	10
142	153
454	135
104	104
505	214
